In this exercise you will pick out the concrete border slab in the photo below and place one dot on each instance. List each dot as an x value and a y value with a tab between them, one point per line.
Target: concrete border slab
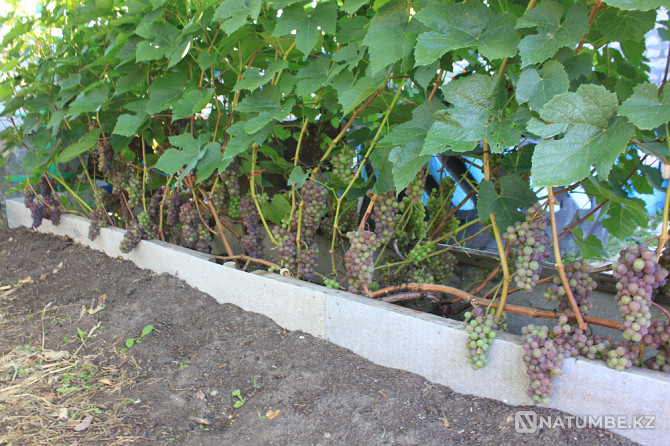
393	336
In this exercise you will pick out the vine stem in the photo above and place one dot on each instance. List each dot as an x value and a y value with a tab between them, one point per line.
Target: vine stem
559	262
81	202
144	172
660	307
507	277
160	212
252	188
592	16
361	227
248	259
663	237
473	300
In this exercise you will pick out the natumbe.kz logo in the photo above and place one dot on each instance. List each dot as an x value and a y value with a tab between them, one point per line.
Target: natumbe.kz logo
529	422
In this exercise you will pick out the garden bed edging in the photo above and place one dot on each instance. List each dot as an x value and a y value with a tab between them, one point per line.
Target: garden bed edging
390	335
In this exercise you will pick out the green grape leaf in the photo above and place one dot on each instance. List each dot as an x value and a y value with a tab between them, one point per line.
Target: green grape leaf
407	140
254	77
74	150
589	136
267	103
552	32
164	92
589	248
192	102
387	35
637	5
241	140
297	177
475	115
312	76
234	14
147	50
645	109
352	6
354	95
172	159
308	24
624	215
210	161
89	101
426	73
537	89
277	210
617	25
384	169
128	125
464	25
515	193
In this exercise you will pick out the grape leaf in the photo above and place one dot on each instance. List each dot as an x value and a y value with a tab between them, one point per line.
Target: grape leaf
241	140
234	13
255	77
387	35
297	177
515	193
351	6
164	92
638	5
172	159
74	150
624	214
210	160
312	76
645	109
354	95
589	137
552	33
407	141
475	115
383	168
192	102
589	248
128	125
267	103
538	89
617	25
89	101
308	23
464	25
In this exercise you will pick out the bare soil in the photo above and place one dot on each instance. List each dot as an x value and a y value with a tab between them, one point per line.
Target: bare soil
65	377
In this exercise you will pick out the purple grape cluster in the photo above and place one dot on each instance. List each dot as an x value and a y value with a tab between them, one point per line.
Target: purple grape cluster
638	274
315	199
132	237
105	156
663	291
253	239
359	259
219	197
98	220
480	328
53	206
194	234
544	352
417	187
35	206
308	260
658	338
385	216
532	245
581	284
622	355
592	347
173	204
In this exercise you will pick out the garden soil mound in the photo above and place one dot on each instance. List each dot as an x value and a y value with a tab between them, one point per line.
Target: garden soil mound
207	374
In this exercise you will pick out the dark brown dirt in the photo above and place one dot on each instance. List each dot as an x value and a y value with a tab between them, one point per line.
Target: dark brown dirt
176	386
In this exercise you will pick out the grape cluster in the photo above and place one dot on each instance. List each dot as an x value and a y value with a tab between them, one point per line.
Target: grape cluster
253	239
480	328
638	274
315	199
331	283
359	259
286	246
621	356
439	205
659	339
443	266
134	190
581	284
53	206
132	237
36	208
592	347
145	223
308	261
98	220
420	252
190	221
663	291
385	216
105	156
342	164
544	351
154	205
230	178
416	187
173	204
532	245
219	197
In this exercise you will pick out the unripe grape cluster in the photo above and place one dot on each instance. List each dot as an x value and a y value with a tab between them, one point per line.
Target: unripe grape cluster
315	199
230	177
134	190
219	196
532	247
286	247
620	356
480	328
331	283
439	205
581	284
638	274
194	234
420	252
359	259
385	216
416	187
342	164
442	266
308	261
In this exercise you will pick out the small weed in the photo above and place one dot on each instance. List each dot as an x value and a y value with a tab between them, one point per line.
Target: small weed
132	341
184	364
67	340
239	399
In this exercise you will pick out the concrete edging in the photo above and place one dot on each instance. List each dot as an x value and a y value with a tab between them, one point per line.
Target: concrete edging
392	336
